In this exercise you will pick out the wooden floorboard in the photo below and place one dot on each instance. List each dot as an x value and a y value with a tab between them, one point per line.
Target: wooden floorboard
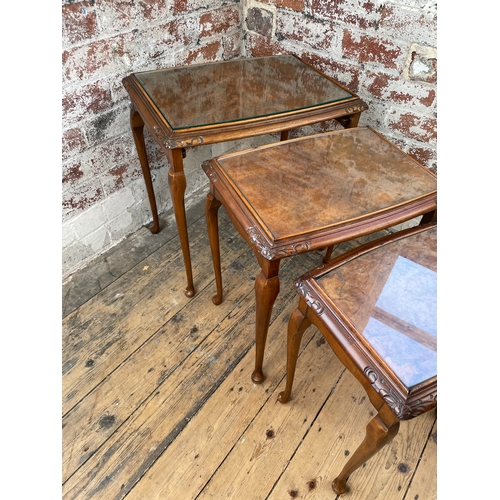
157	397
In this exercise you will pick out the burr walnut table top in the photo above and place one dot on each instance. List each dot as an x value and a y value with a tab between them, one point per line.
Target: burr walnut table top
383	301
196	104
293	196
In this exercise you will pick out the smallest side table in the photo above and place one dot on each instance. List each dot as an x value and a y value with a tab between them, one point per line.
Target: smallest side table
376	307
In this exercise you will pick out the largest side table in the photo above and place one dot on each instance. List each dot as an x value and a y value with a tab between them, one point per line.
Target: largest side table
208	103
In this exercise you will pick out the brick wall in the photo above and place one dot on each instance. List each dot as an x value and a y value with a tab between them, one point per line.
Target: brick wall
384	51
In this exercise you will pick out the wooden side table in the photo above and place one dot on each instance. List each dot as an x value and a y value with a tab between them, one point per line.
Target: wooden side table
376	307
308	194
183	107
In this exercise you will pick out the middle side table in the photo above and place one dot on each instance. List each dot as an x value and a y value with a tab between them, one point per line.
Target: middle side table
308	194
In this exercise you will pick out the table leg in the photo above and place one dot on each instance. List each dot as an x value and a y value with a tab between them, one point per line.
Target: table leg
137	125
352	120
349	121
177	185
212	206
284	135
267	287
428	217
297	325
328	254
379	432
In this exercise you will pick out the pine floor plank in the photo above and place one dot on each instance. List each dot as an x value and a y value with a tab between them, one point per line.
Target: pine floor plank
335	428
220	426
107	406
338	430
105	269
127	456
388	474
424	483
100	335
264	450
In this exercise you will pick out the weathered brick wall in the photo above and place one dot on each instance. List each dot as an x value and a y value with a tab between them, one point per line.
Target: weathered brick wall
103	194
383	50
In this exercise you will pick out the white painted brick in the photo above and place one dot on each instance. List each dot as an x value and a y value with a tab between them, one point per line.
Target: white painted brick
87	222
68	234
118	203
98	240
121	226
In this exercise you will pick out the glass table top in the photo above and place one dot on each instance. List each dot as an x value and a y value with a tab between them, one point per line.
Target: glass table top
390	296
235	90
320	181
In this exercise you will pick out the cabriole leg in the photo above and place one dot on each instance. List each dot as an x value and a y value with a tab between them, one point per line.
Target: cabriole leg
137	126
177	184
267	287
212	206
297	325
378	434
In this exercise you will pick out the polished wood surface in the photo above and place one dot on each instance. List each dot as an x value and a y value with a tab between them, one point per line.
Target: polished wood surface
309	194
324	181
157	402
215	102
249	88
340	299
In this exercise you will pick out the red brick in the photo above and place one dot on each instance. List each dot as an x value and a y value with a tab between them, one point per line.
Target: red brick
413	126
429	100
95	161
79	22
260	21
119	176
232	45
203	54
395	90
100	57
180	31
120	13
370	49
81	197
384	87
165	38
425	156
87	99
296	5
152	9
415	25
362	16
219	21
108	153
258	46
179	6
72	172
183	6
107	125
83	62
73	141
316	34
345	74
